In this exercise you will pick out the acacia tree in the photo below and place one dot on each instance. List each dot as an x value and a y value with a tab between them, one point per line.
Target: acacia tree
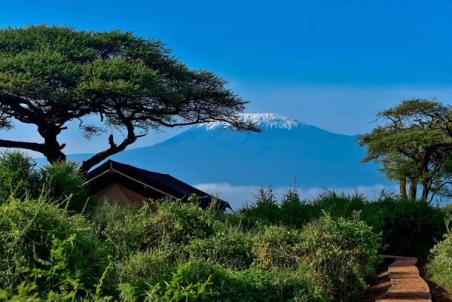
403	170
414	144
50	76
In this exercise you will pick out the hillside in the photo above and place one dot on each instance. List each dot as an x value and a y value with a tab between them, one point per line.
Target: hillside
286	152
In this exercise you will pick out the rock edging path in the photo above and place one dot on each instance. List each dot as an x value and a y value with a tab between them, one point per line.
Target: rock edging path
406	283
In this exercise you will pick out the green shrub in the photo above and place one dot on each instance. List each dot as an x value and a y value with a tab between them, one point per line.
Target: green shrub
342	253
65	184
59	182
24	292
264	210
179	223
447	209
18	176
213	282
127	230
144	268
275	247
40	243
124	230
230	247
340	204
257	284
179	253
295	212
440	264
408	228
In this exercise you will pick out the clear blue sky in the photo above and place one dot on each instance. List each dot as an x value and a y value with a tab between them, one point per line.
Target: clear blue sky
328	63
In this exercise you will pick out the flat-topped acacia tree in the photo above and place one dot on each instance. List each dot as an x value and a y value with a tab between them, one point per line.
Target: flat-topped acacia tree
414	143
50	76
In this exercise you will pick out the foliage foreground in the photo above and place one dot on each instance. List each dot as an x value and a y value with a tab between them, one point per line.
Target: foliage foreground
180	253
440	264
57	244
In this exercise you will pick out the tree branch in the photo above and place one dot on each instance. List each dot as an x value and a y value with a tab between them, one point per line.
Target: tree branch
21	108
114	148
23	145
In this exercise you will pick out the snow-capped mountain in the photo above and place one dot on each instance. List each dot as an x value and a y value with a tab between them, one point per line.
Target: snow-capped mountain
284	153
262	120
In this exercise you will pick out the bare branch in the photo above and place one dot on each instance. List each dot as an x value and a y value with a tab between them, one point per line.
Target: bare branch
114	148
23	145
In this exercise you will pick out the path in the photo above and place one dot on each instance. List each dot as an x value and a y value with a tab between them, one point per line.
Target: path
405	282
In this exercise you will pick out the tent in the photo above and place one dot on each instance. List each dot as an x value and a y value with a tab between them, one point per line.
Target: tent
129	185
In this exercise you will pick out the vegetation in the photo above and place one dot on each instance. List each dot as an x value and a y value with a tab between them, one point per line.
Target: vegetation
61	182
42	246
51	250
17	175
50	76
54	254
440	265
415	145
407	227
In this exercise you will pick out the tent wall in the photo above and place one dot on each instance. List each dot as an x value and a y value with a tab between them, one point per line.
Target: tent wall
119	194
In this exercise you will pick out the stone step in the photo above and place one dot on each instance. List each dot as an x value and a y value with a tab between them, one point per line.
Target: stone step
406	283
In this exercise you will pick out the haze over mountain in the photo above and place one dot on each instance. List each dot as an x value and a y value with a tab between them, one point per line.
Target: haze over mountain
285	153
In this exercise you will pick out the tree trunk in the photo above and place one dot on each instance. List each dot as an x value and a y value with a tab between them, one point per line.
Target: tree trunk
54	155
402	186
426	186
52	148
413	188
426	180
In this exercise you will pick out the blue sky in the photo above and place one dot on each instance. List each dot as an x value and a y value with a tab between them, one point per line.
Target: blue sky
328	63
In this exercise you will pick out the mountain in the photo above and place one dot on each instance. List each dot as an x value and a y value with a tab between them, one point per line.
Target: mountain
284	153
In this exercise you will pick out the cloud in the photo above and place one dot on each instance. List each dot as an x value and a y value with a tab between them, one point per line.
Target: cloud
239	196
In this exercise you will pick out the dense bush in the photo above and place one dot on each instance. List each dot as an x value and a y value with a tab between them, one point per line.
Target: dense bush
179	253
204	281
440	264
291	211
179	223
447	210
41	244
230	247
18	176
275	247
408	227
143	268
65	184
128	230
59	182
342	253
124	230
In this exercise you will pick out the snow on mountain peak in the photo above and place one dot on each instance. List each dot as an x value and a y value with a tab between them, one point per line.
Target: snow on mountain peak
262	120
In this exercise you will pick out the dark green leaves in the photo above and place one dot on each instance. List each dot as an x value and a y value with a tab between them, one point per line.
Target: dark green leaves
52	75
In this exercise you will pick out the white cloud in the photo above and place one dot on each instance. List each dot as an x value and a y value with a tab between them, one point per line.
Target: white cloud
239	196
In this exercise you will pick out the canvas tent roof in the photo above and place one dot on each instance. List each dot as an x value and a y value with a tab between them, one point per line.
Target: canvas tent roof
147	183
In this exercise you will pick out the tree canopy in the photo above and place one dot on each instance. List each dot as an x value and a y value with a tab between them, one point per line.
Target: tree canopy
415	143
52	75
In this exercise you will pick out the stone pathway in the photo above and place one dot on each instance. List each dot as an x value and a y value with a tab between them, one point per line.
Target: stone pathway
405	282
